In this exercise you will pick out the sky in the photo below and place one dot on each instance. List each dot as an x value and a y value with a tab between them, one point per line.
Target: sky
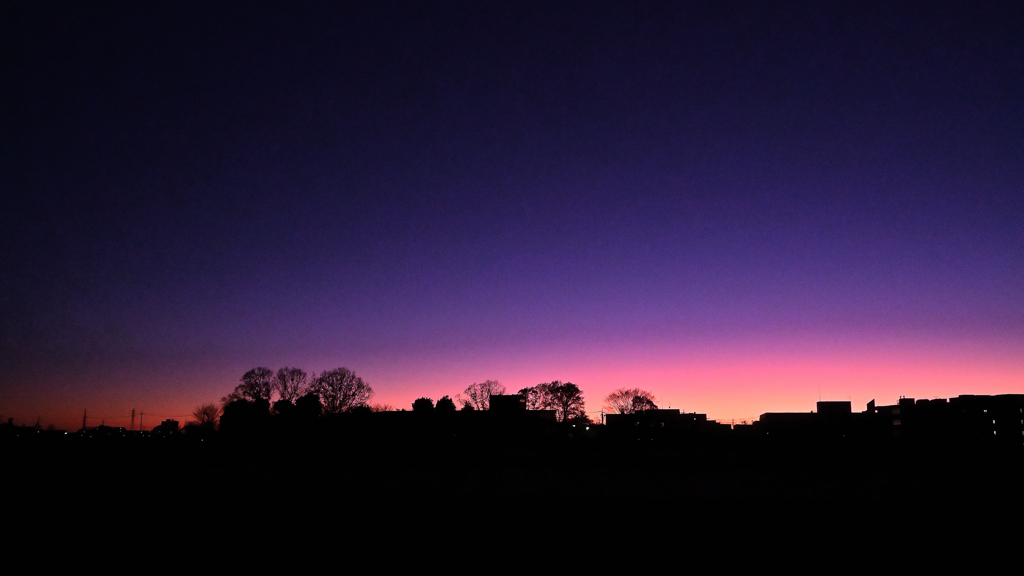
741	207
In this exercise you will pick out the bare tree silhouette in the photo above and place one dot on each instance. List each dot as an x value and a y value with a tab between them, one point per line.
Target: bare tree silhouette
290	383
478	394
629	401
256	385
206	416
340	390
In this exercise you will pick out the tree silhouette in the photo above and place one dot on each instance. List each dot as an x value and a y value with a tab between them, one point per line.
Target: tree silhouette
423	405
290	383
567	400
283	408
538	397
309	406
256	385
245	416
340	390
230	397
206	416
478	394
629	401
445	405
643	404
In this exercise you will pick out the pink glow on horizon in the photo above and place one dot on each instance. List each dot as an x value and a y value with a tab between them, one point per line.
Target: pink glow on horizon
745	383
738	381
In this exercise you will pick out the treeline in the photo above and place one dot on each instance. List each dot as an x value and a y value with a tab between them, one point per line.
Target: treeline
338	390
294	395
291	394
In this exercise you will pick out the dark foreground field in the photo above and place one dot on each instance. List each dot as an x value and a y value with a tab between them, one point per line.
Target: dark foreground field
179	481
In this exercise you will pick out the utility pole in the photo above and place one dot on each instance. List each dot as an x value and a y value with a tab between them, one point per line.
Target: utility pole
84	412
132	427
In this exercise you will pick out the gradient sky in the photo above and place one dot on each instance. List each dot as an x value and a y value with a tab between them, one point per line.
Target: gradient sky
735	205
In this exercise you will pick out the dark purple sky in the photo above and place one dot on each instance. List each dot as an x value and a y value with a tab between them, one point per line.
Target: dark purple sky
707	200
